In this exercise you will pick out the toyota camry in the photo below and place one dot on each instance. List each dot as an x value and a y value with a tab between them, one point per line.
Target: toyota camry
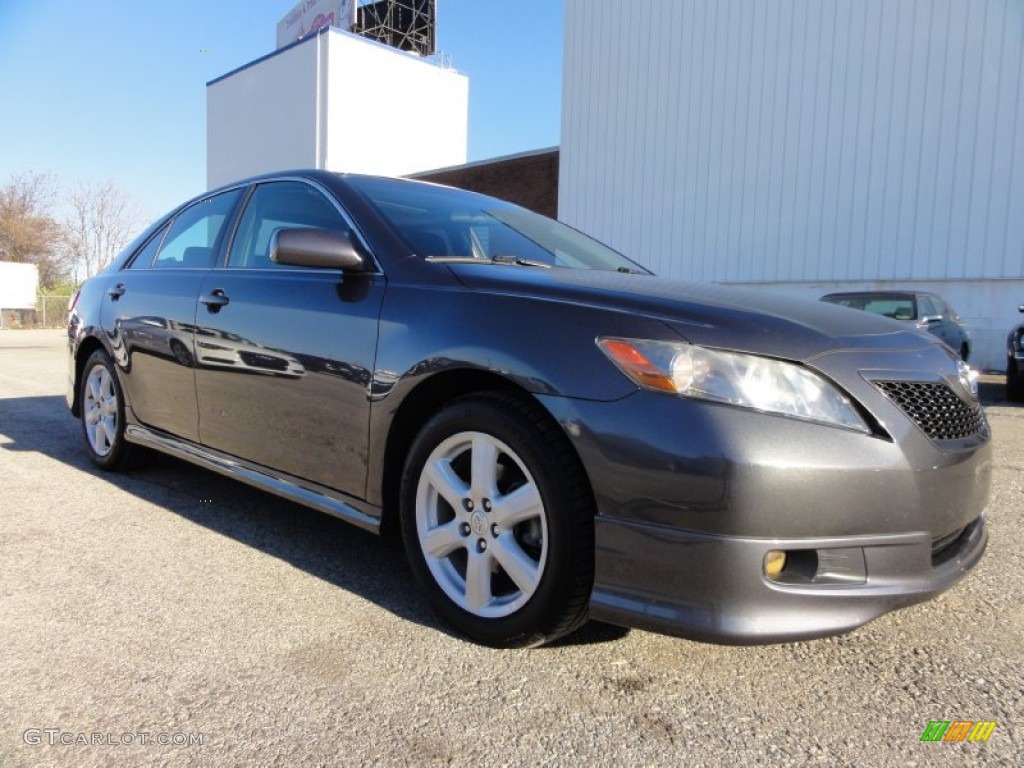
554	432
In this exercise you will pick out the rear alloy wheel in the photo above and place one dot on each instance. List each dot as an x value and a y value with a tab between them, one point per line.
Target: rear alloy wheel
1014	382
498	523
102	409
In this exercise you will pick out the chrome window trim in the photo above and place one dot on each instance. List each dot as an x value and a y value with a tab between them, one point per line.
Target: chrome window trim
173	218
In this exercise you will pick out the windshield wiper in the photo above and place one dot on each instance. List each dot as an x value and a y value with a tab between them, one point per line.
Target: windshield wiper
499	259
505	259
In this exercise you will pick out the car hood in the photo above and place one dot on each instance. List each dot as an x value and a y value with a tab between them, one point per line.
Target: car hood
730	318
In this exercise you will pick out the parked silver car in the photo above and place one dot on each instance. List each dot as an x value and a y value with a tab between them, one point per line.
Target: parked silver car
927	311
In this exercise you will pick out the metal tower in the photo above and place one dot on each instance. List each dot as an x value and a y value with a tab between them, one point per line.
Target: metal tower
408	25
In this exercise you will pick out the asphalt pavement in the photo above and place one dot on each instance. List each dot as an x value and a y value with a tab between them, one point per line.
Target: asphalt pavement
174	617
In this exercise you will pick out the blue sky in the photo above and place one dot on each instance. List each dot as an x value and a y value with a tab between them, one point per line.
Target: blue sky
117	89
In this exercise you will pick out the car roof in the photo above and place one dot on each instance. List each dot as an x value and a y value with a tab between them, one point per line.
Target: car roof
888	294
327	178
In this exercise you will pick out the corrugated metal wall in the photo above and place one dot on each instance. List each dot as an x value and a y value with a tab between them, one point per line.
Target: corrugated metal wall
798	140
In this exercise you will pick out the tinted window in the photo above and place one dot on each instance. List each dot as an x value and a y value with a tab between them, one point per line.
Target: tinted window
144	258
280	205
898	307
443	222
194	233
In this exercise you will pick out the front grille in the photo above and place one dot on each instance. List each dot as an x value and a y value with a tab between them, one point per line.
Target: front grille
268	362
935	409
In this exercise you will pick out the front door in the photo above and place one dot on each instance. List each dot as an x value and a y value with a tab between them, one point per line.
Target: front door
285	354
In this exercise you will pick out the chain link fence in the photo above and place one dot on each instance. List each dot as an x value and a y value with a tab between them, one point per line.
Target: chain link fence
51	311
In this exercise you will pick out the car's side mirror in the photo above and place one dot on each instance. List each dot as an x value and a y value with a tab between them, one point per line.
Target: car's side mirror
930	320
1020	308
319	248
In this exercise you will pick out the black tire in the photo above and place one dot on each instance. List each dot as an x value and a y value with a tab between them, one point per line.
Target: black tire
558	538
1014	382
114	453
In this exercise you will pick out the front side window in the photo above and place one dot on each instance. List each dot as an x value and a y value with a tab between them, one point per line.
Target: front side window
928	307
194	233
947	312
280	205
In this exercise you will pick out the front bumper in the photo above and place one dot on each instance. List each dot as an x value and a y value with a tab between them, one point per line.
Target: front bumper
691	495
713	588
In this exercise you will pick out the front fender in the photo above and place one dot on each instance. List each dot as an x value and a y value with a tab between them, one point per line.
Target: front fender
544	346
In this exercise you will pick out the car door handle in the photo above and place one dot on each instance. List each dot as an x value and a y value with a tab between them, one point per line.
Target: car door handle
116	292
214	300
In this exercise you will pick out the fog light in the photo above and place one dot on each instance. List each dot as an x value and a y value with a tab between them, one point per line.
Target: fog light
774	562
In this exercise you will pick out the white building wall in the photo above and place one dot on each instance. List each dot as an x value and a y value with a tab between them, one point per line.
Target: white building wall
340	102
390	112
263	117
799	142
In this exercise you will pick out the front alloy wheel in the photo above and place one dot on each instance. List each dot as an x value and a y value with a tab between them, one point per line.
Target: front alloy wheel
497	520
481	524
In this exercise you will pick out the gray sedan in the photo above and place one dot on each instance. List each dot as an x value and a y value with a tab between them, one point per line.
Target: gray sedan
927	311
554	432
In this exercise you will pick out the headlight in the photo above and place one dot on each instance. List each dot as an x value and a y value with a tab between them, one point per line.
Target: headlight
748	381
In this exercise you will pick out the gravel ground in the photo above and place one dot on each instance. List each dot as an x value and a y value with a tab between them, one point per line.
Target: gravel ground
174	601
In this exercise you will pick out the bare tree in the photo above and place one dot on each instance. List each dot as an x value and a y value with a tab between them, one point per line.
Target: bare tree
28	231
102	220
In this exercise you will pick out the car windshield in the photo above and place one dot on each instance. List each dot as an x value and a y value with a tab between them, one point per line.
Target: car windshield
441	223
897	307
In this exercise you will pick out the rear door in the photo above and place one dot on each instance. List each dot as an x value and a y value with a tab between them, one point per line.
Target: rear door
285	353
149	314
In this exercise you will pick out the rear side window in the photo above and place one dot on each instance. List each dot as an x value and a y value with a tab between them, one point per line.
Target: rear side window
144	258
194	234
280	205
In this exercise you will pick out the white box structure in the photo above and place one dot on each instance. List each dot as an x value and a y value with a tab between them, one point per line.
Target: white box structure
339	102
19	284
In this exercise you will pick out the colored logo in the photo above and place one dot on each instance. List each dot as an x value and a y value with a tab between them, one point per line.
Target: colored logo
958	730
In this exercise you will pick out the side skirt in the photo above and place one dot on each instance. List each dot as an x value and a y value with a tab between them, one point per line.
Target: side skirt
286	486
